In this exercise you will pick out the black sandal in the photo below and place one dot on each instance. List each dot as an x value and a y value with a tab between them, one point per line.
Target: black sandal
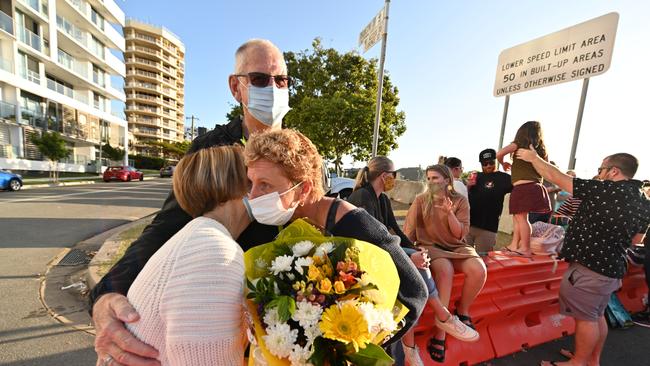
466	319
436	354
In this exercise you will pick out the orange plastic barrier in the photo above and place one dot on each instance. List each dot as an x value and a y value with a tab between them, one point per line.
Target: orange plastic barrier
517	308
634	289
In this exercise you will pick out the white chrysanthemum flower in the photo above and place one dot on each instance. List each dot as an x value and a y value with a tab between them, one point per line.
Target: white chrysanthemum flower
325	248
280	339
378	319
302	248
311	333
290	276
281	264
271	317
302	262
300	355
386	320
307	314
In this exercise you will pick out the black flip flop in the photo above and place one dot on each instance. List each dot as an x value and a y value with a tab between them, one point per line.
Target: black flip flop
436	354
466	319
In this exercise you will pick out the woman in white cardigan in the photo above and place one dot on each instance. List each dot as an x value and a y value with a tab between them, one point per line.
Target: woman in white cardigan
190	293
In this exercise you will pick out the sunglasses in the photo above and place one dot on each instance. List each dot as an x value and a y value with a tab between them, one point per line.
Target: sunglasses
605	168
261	80
393	173
487	163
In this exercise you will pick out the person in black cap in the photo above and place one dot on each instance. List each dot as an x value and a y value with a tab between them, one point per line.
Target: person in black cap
486	192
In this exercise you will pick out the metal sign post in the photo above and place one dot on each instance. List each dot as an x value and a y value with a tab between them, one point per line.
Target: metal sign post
576	133
368	38
503	121
380	88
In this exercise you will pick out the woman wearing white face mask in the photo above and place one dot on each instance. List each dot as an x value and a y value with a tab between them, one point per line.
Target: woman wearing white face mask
284	168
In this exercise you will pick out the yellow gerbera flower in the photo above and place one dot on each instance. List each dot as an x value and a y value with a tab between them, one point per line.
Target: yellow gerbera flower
345	323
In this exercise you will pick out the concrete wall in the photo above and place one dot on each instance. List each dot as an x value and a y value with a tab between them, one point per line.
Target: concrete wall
406	191
23	164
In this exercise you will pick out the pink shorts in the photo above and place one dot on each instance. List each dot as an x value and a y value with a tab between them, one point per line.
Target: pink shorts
529	197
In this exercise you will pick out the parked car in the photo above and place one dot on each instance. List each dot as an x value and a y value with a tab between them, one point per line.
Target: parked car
123	173
340	187
167	171
10	181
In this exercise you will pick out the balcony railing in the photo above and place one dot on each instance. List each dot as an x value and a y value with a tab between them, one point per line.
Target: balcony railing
6	22
80	5
72	64
33	118
143	49
31	39
136	84
145	97
72	30
147	38
7	111
30	75
60	88
36	5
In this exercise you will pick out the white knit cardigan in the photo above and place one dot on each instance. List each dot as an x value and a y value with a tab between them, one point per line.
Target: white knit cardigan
190	297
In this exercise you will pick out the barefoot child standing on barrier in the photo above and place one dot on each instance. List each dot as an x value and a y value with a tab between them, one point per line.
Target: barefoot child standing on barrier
528	193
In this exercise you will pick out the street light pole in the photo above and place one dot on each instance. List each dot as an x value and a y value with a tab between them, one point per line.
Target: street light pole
192	118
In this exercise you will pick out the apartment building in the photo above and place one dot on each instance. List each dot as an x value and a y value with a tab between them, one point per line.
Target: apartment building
155	86
56	63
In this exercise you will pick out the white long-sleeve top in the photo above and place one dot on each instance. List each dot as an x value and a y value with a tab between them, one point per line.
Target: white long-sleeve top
190	297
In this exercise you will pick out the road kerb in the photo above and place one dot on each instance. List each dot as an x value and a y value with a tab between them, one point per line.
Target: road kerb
64	184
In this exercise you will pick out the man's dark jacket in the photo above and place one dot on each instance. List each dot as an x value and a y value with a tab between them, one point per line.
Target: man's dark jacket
172	219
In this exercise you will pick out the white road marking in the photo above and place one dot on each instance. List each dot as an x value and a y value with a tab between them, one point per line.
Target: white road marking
78	193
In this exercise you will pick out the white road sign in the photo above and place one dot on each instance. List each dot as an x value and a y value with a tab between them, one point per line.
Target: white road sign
581	51
373	32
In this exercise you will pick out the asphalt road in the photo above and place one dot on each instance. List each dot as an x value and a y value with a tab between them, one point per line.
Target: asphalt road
36	226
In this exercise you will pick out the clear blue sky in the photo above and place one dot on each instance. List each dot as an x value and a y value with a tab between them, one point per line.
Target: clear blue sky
442	56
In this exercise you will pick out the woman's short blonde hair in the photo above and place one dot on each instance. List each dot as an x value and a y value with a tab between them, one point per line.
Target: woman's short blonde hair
293	152
209	177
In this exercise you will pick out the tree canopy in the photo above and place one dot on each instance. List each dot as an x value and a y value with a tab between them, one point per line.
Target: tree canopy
333	99
175	150
53	147
112	153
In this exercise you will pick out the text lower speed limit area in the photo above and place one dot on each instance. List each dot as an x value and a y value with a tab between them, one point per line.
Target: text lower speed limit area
574	53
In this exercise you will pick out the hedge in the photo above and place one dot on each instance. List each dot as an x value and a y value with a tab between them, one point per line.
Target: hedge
147	162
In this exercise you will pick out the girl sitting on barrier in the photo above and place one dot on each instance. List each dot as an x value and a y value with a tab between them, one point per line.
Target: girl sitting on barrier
372	181
438	221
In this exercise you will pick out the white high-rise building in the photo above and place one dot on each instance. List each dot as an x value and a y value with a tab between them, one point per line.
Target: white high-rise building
57	58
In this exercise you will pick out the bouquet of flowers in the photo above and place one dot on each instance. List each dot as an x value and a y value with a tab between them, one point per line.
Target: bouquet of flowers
318	300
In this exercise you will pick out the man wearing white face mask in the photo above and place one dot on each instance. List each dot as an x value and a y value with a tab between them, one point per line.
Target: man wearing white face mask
260	83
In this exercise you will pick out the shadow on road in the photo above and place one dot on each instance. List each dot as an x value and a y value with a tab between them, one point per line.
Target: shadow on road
28	232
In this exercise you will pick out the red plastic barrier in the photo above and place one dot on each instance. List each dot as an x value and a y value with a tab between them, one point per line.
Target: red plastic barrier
524	328
458	353
634	289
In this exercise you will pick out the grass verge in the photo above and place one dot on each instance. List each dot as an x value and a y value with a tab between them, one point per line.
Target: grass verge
125	239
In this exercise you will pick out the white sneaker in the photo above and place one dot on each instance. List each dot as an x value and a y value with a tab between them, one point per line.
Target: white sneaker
412	355
458	329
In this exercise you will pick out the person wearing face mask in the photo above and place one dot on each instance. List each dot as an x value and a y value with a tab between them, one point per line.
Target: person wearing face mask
260	83
189	294
377	177
438	221
284	169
